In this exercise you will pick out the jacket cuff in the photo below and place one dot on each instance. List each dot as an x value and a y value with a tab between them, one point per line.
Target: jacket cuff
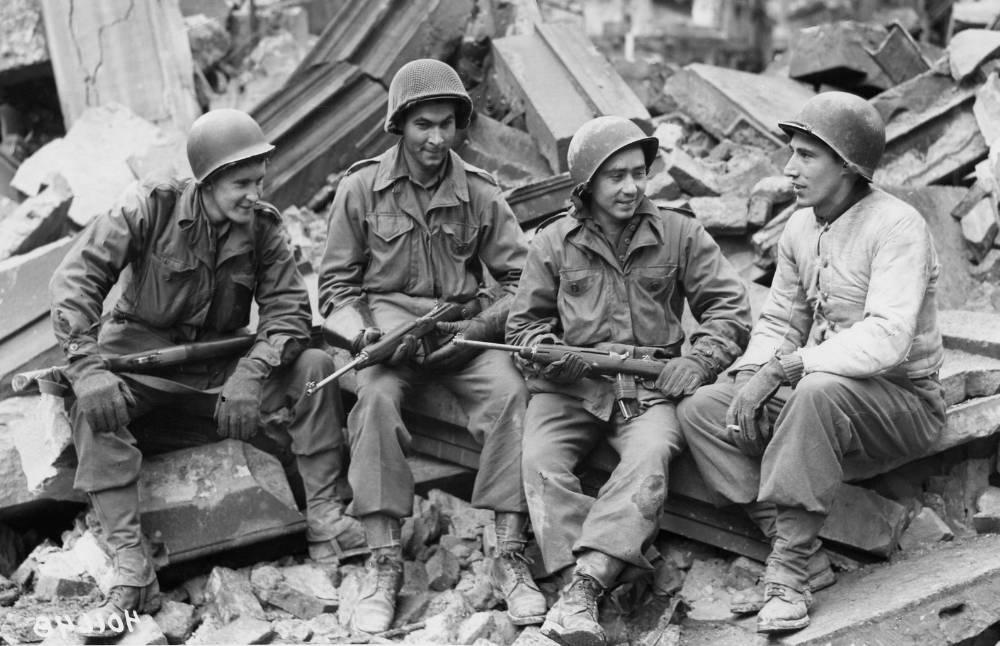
792	366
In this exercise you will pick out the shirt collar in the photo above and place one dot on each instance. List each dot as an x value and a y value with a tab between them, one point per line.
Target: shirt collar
392	167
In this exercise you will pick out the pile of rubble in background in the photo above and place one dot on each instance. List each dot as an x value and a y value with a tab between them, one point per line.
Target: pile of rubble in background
88	105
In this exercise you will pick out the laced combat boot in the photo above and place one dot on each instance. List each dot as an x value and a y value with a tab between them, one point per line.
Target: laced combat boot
331	534
383	577
509	571
573	620
786	609
135	589
786	579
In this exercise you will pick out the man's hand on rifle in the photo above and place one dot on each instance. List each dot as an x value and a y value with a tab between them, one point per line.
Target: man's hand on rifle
681	377
238	408
570	368
450	357
365	337
101	396
405	351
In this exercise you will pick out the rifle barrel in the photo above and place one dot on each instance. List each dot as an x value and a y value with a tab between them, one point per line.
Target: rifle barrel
313	386
486	345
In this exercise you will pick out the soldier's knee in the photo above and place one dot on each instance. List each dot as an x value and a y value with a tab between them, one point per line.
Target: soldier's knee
314	363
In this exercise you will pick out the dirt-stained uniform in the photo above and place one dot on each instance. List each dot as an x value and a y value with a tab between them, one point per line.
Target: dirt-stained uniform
582	291
394	249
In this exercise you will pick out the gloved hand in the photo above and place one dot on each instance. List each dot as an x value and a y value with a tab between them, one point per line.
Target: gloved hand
101	396
367	336
681	377
405	351
746	410
451	357
238	408
567	370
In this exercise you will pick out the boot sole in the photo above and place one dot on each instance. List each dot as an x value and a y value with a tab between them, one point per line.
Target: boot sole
573	638
822	581
782	625
526	620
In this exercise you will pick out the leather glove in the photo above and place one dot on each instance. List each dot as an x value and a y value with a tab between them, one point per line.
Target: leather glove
365	337
567	370
405	351
681	377
238	408
451	357
746	410
101	396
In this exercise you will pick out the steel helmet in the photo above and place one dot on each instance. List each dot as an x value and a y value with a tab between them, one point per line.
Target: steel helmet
426	79
848	124
599	139
221	137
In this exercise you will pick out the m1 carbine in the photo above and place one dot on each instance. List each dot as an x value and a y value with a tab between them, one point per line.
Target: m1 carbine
386	345
146	361
622	367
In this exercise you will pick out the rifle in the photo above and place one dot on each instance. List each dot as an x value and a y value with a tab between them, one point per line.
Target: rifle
147	360
382	349
601	362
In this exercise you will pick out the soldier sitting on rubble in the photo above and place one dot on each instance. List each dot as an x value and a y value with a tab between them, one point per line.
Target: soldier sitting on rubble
614	273
197	251
408	228
842	363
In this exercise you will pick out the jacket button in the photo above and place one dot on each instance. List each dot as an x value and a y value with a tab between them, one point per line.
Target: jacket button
74	346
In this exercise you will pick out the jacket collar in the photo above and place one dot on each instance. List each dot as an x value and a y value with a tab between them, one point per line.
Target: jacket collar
586	232
191	217
392	167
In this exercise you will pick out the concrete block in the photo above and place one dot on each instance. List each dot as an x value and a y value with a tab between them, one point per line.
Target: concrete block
146	632
234	493
766	196
964	376
976	194
111	128
926	528
970	48
296	602
943	596
987	516
510	154
724	215
37	220
705	591
987	108
476	586
866	520
736	105
292	631
533	203
744	167
694	177
662	186
209	39
979	229
313	580
245	630
557	78
669	135
89	553
838	54
973	332
442	570
744	573
326	628
231	595
477	626
931	131
465	521
176	620
24	281
899	55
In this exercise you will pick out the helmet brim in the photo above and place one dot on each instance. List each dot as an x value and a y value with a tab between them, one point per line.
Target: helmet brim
249	152
463	111
791	128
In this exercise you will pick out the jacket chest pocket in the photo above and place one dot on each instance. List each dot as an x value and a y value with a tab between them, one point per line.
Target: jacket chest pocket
579	304
459	238
233	297
169	290
390	247
655	282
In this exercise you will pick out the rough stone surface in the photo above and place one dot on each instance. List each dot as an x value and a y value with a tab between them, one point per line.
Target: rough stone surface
176	620
837	54
245	630
37	220
724	215
532	636
868	520
987	108
146	632
987	516
705	591
310	578
442	570
293	631
926	528
477	626
969	48
979	228
231	595
476	586
694	177
974	332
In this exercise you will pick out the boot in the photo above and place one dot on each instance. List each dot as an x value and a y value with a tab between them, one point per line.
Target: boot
821	576
786	609
572	621
331	534
510	575
383	576
135	589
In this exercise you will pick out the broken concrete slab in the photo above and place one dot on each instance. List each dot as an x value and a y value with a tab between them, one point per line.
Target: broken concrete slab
270	587
534	202
692	175
977	192
988	269
979	229
987	108
231	596
315	580
965	375
510	154
723	216
146	632
986	520
970	48
44	441
176	620
36	221
838	54
973	332
117	133
22	32
925	529
443	570
245	630
209	489
739	106
24	280
942	596
137	56
559	81
866	520
900	56
766	196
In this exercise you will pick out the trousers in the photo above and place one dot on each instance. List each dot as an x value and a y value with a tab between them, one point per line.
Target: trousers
623	519
491	392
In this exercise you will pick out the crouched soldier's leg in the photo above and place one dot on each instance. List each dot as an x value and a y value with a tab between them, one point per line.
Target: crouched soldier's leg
317	443
108	470
493	393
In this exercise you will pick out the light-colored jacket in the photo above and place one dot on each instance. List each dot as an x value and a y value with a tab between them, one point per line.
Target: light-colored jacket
854	297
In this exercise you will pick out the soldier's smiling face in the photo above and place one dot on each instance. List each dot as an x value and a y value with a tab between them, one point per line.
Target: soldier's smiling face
428	134
232	193
619	185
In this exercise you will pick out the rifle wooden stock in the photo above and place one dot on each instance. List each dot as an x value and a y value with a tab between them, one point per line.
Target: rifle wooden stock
147	360
602	362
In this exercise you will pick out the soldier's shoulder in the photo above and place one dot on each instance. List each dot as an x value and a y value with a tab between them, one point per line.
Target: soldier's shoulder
476	173
359	166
